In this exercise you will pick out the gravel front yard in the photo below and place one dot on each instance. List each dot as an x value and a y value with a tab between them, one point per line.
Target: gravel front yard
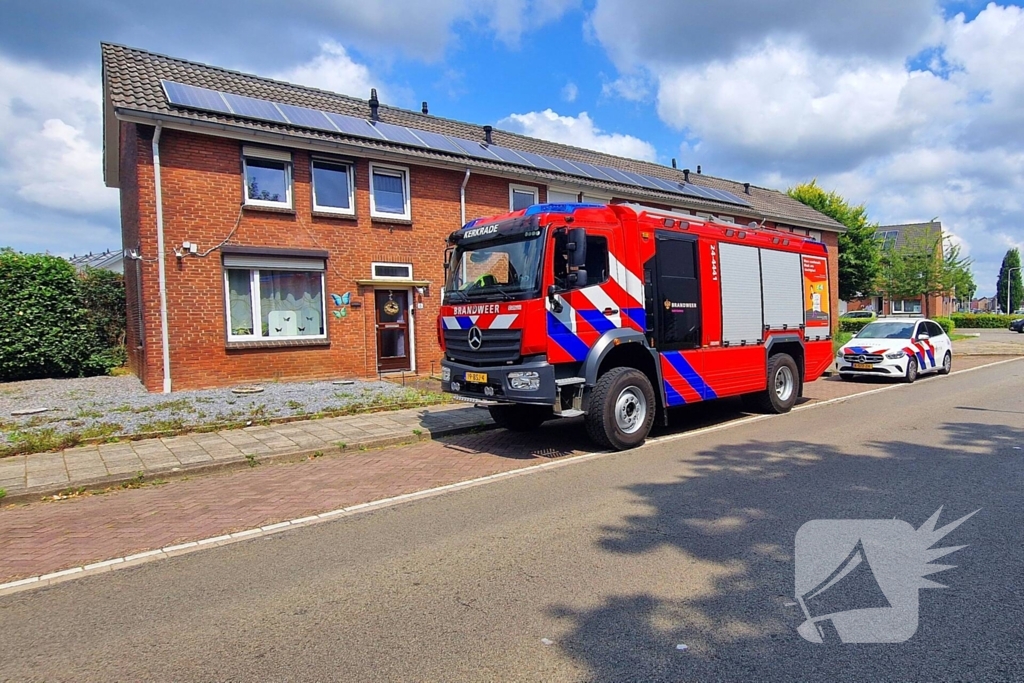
109	407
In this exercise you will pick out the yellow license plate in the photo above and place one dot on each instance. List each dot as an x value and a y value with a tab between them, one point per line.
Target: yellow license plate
476	377
862	366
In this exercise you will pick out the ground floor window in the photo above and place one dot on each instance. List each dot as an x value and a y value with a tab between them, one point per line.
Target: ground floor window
905	306
274	301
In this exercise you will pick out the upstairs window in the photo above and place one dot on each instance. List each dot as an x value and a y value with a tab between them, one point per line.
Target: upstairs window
268	177
521	197
333	187
389	192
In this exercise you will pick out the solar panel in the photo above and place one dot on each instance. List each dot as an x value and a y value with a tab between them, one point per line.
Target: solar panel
198	98
475	149
538	161
564	166
591	171
308	118
641	180
616	175
399	134
350	125
438	142
664	184
252	108
506	154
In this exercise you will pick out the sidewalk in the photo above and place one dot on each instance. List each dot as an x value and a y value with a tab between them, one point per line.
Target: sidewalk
105	464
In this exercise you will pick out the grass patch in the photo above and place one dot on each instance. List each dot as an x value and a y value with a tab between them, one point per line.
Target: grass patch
839	339
38	441
251	459
101	430
295	405
958	337
3	492
174	424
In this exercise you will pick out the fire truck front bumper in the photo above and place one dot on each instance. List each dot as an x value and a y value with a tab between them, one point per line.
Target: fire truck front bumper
527	382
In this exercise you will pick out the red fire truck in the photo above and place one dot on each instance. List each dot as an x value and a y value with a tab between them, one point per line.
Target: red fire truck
620	312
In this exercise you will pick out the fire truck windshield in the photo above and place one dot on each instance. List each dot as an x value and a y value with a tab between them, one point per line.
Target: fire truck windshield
506	270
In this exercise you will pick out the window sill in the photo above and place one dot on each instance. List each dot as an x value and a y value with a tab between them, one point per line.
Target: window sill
338	216
390	221
269	209
276	343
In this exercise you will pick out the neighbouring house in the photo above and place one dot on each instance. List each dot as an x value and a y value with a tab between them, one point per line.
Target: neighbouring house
983	305
895	237
274	231
107	260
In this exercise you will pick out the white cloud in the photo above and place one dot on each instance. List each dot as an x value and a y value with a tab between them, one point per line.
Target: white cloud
334	70
50	153
579	131
634	87
570	91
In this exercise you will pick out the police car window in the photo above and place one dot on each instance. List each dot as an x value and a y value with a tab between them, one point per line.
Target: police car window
934	329
597	260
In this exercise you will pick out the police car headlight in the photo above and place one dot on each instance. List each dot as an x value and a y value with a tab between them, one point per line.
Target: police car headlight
526	380
446	373
896	355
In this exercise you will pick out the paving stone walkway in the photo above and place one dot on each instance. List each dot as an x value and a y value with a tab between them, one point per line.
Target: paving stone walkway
105	463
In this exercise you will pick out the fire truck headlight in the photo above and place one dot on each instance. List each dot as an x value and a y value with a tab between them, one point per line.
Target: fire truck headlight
524	381
446	373
896	355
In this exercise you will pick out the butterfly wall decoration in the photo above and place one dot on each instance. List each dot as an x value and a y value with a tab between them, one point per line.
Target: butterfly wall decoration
341	302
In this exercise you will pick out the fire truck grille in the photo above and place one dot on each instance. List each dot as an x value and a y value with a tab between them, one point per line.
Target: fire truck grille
496	347
863	358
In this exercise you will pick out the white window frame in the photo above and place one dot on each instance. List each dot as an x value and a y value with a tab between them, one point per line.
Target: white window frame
525	189
592	198
351	210
387	169
257	317
374	276
249	152
903	308
560	190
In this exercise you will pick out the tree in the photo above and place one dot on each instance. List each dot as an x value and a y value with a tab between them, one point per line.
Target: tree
926	264
858	250
1011	261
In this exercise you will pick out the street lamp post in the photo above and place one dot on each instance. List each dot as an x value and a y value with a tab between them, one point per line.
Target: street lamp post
1009	287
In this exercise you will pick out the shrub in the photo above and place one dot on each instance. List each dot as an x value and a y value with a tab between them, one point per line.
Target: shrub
947	325
982	320
43	328
855	325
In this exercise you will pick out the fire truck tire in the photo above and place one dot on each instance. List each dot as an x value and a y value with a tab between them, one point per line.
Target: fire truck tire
519	417
622	407
783	385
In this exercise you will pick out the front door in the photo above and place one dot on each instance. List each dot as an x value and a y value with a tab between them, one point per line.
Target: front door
392	315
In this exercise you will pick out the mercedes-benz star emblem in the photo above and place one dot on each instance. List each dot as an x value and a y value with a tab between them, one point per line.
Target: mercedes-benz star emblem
475	337
861	358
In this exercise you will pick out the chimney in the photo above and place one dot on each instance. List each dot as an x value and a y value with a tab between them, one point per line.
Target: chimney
673	163
487	134
698	169
424	108
374	103
686	175
746	188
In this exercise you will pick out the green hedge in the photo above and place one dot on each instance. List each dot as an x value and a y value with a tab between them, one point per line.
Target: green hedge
947	325
54	323
855	325
982	320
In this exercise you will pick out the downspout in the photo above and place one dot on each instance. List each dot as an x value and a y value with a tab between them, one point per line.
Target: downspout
161	272
462	198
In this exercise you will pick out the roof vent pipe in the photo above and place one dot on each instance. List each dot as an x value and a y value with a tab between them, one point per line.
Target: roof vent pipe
673	163
698	169
746	188
686	175
374	103
487	135
424	108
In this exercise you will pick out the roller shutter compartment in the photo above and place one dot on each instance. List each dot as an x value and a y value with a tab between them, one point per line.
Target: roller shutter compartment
783	289
742	321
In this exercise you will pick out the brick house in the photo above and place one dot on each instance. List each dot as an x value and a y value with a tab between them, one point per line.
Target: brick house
274	231
896	237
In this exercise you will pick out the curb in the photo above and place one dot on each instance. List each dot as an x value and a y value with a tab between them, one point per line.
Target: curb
179	472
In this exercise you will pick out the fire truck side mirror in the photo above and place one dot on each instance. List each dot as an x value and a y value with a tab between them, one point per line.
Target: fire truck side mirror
556	305
576	245
578	278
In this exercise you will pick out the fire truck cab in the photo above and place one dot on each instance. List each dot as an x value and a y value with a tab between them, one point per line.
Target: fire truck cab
619	312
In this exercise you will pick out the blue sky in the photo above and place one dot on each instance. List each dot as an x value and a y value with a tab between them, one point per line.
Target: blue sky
913	108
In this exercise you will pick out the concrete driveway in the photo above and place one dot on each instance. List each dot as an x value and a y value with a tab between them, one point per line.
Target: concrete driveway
999	342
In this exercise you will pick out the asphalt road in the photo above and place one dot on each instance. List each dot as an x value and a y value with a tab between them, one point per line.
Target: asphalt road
614	561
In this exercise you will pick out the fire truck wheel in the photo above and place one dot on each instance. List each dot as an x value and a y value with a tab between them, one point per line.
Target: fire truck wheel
622	407
911	371
783	385
519	417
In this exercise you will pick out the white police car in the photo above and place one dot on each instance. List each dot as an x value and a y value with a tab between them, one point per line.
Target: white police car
896	347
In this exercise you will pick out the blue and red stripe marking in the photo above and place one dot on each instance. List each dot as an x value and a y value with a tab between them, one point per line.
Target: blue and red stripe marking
683	384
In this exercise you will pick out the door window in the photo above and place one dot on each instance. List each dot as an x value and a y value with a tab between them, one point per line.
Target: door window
677	303
392	309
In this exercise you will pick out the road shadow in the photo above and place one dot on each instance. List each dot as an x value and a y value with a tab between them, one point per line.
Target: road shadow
737	518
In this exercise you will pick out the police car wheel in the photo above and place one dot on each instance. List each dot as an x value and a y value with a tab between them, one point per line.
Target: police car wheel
947	364
622	408
911	371
519	417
